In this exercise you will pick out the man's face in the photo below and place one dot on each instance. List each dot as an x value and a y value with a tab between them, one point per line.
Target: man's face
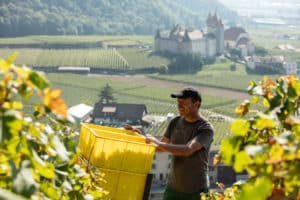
186	107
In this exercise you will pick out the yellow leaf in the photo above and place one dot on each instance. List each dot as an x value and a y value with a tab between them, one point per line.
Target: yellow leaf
15	105
56	104
59	107
296	85
265	122
276	154
240	127
4	66
21	72
12	58
50	95
298	154
266	103
8	77
255	99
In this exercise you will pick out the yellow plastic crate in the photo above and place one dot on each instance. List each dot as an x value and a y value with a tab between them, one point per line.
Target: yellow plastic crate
116	149
122	185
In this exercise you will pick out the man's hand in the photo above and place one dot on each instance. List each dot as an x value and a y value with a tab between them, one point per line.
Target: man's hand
129	127
156	142
153	139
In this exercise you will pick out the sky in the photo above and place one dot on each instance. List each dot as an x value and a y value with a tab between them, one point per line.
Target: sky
265	8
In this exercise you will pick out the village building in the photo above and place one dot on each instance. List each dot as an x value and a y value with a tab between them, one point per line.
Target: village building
289	66
80	113
115	114
183	41
160	167
237	37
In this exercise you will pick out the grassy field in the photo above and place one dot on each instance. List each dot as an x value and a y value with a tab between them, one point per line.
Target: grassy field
82	89
157	97
98	58
123	58
216	75
106	40
142	58
271	37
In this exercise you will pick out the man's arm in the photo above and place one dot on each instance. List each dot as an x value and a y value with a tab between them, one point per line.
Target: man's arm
178	150
164	140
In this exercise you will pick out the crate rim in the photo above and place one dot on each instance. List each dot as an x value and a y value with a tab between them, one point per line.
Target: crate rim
120	140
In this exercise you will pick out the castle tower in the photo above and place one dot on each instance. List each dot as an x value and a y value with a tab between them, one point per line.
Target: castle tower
216	27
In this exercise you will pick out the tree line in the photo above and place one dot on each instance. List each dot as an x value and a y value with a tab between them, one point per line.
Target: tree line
104	17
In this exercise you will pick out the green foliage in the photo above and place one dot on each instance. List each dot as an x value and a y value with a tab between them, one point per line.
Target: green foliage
267	145
163	69
37	150
233	67
67	17
106	94
235	53
189	63
260	51
266	69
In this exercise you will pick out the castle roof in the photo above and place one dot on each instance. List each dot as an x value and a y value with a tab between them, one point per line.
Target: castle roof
233	33
213	21
192	35
210	36
242	41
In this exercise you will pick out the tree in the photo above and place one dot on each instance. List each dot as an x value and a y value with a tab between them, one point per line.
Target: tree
260	51
267	143
163	69
232	67
106	94
188	63
38	157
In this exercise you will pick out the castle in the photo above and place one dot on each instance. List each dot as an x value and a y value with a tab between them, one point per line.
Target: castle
184	41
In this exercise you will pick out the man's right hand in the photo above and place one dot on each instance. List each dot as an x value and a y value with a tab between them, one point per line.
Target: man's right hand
129	127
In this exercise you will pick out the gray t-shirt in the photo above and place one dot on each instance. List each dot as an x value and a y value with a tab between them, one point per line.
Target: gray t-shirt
189	174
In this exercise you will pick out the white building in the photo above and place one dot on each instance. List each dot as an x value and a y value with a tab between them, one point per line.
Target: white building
290	67
237	37
184	41
160	167
80	113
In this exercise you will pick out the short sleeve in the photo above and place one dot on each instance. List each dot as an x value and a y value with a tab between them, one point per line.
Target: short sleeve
205	137
170	127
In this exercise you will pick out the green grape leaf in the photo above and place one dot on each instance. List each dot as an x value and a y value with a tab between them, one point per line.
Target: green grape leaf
242	159
38	80
259	189
45	169
229	147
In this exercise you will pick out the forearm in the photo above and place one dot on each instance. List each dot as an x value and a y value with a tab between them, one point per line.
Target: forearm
178	150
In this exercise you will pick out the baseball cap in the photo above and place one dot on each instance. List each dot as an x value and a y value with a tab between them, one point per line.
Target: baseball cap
188	93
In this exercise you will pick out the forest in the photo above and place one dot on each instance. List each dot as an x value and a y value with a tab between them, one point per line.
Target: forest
105	17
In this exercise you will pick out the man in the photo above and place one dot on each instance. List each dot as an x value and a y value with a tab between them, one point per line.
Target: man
188	137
